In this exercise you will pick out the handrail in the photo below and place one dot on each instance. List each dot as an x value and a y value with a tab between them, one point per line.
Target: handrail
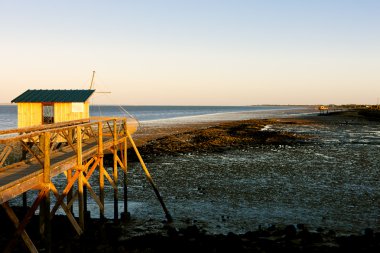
57	128
43	127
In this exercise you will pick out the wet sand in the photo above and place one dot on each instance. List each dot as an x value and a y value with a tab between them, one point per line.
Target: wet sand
307	184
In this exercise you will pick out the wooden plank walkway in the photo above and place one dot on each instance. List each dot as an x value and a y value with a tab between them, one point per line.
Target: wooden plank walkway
20	177
17	180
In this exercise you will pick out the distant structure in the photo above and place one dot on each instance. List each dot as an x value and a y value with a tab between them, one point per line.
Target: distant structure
323	110
40	107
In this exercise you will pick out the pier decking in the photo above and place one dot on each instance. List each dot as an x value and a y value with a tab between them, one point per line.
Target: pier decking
31	157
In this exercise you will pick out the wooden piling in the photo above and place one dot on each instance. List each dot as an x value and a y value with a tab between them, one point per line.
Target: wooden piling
125	179
101	167
115	173
80	178
24	195
70	192
150	180
45	224
70	135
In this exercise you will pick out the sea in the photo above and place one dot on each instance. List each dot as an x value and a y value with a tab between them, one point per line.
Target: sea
8	113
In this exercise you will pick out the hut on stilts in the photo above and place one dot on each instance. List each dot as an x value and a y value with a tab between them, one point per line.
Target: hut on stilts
58	136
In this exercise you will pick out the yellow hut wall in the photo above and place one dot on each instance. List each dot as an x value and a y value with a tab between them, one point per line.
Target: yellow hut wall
29	114
63	112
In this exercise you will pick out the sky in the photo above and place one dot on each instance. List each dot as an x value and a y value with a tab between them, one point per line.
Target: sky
194	52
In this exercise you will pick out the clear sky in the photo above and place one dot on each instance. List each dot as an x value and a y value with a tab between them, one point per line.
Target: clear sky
194	52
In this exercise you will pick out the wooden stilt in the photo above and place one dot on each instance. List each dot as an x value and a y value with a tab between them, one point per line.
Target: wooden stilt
25	200
115	173
80	178
70	192
125	179
149	177
21	226
64	194
70	135
101	168
45	224
12	216
66	210
24	195
85	210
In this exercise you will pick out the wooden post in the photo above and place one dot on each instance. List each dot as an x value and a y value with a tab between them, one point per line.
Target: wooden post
101	167
150	179
125	181
25	200
70	193
16	223
85	211
45	226
70	171
115	175
24	195
80	178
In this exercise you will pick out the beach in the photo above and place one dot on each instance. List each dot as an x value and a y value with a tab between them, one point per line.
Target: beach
250	184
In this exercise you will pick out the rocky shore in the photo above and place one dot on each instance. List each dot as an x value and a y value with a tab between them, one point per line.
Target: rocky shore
224	136
105	236
219	137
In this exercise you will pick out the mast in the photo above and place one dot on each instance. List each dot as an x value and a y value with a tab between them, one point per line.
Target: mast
92	79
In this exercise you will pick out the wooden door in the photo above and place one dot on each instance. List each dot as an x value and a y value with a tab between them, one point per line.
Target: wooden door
47	113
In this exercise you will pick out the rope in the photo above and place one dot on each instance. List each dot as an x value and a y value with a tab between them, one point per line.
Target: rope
119	105
132	116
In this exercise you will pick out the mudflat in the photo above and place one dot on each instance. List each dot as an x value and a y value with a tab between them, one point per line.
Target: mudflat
308	183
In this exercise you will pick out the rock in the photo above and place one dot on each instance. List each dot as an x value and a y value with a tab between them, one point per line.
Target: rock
290	232
368	233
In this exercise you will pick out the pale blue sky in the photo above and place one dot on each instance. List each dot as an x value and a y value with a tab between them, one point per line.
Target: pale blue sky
194	52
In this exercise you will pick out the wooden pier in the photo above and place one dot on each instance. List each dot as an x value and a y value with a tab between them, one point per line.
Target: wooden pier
31	157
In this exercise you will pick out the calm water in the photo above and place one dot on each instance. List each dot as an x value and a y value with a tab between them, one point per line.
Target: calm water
8	113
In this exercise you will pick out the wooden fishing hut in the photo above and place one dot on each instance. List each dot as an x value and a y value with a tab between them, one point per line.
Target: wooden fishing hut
57	136
41	107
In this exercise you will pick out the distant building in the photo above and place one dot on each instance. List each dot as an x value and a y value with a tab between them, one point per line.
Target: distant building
39	107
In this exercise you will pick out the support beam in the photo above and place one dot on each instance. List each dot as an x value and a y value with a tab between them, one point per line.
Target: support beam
67	211
125	179
69	177
25	237
65	192
101	167
80	178
45	225
149	177
21	227
115	173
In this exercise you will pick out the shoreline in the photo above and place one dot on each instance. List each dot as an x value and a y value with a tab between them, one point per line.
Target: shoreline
190	236
155	129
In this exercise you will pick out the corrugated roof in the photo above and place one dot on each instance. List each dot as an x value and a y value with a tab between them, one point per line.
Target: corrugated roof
47	96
